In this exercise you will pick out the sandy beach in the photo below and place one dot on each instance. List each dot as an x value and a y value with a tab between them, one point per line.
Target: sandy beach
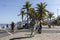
24	34
29	19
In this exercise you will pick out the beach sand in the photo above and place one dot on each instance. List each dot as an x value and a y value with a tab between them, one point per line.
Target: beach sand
43	36
47	34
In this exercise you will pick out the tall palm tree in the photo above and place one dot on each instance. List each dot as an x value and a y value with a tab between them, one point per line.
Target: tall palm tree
32	13
27	6
50	15
22	13
41	9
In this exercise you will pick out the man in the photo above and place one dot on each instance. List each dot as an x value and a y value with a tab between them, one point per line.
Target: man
40	28
12	26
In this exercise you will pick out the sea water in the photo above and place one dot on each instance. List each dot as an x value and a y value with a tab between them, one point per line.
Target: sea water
1	25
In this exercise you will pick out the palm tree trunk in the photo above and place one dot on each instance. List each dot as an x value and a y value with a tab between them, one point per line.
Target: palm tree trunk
27	14
27	17
22	18
50	23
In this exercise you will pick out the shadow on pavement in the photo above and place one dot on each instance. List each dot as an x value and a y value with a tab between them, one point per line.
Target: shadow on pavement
50	31
19	38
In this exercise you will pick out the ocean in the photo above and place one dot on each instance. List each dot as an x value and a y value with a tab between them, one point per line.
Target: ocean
1	25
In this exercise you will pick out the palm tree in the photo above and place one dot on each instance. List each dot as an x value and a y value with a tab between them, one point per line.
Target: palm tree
22	13
41	9
31	13
27	6
50	16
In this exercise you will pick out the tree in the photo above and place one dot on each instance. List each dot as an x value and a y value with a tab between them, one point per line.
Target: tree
50	16
22	13
58	17
41	10
31	13
58	20
27	6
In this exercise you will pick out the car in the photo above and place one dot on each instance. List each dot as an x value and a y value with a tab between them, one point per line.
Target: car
19	25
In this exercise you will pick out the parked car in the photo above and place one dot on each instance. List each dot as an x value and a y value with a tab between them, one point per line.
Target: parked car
19	25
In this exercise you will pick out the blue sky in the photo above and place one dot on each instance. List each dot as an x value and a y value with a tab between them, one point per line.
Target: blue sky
9	9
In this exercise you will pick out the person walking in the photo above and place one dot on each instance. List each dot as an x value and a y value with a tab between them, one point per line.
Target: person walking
7	26
12	26
40	28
